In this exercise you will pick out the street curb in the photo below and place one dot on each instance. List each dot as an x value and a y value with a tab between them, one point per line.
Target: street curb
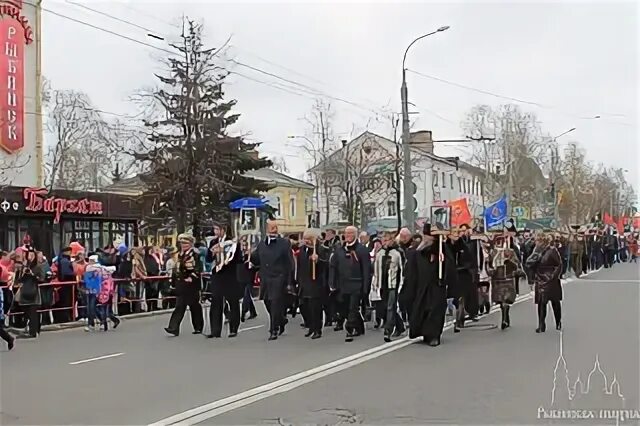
79	324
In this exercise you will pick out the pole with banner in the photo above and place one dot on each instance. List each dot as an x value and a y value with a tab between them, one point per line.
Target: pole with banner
440	226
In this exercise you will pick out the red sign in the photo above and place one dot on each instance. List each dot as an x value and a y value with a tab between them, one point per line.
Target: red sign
15	32
37	201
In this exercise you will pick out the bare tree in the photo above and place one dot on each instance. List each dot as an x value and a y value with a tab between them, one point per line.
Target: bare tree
514	160
280	164
319	146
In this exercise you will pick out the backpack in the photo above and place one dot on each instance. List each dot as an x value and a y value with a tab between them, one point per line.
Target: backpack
92	281
106	289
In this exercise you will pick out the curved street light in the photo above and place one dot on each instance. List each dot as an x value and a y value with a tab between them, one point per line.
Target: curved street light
407	175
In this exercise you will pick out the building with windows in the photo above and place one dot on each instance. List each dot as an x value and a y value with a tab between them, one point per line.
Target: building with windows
292	200
360	182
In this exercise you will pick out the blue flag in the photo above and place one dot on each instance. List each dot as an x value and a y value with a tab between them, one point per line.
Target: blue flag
496	213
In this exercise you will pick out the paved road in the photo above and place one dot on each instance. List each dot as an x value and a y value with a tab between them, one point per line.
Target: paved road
476	377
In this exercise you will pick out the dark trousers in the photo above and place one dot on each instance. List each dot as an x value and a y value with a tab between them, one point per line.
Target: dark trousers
32	318
393	319
151	293
65	296
275	307
4	334
332	307
355	322
608	258
312	313
247	302
189	298
218	305
542	311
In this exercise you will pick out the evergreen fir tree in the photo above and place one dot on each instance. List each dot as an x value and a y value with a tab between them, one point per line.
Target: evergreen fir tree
194	166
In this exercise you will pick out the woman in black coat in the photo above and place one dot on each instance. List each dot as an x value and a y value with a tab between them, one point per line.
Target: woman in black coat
546	265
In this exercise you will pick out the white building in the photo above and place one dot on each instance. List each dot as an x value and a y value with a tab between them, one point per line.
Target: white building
365	167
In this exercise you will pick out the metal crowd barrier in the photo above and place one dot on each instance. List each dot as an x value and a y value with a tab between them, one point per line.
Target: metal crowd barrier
117	297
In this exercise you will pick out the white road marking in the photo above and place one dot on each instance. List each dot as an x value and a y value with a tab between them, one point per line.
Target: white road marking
614	281
216	408
84	361
250	328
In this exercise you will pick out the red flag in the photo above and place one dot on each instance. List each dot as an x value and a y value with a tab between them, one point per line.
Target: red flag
460	213
620	226
608	220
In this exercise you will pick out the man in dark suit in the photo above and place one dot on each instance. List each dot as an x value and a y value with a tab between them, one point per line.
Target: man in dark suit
350	275
274	259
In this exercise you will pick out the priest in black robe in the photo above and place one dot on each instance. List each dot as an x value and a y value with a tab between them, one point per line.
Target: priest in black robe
274	259
311	276
424	291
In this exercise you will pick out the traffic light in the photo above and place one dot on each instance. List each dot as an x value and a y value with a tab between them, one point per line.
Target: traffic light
414	190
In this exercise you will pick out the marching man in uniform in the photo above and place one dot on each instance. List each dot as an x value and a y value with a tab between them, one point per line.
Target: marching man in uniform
224	288
186	275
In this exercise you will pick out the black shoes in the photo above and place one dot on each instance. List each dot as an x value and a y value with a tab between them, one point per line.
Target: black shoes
11	343
559	326
387	336
309	333
273	336
116	323
233	334
212	336
316	335
349	338
541	328
434	342
174	333
196	332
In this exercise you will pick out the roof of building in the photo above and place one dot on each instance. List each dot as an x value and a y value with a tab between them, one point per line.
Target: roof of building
419	150
270	175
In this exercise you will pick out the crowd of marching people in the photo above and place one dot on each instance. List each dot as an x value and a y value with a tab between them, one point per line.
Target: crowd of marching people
397	280
401	280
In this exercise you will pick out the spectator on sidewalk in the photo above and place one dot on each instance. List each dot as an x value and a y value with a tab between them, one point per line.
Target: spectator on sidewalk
64	273
4	334
28	294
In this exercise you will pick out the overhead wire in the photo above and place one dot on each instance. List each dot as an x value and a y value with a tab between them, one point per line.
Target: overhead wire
311	90
514	99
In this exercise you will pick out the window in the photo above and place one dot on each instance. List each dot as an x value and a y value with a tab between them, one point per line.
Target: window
468	186
292	206
451	180
278	206
459	185
370	210
435	179
464	186
391	208
444	184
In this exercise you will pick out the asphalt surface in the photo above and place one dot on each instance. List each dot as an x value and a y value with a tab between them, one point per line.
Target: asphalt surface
479	376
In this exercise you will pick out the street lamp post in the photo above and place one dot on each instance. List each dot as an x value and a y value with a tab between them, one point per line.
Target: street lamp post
407	180
555	159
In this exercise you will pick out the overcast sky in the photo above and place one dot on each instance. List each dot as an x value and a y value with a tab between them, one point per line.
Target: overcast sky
577	59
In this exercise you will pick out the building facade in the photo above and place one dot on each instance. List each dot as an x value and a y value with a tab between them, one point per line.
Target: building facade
370	165
292	200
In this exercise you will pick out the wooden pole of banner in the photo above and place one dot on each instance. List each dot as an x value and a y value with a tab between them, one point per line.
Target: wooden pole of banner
440	252
313	263
249	250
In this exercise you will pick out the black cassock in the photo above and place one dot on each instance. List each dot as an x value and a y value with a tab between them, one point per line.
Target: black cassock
312	291
224	289
466	287
188	285
425	293
274	259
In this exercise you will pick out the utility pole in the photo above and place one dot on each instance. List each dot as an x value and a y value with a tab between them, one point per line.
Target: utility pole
407	178
407	181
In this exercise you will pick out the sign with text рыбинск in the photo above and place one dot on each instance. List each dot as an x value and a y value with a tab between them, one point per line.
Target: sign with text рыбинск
20	155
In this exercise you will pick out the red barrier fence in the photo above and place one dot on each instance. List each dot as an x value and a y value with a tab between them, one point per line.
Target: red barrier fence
117	299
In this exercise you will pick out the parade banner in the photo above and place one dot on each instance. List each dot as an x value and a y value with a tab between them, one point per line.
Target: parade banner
608	220
496	213
460	213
